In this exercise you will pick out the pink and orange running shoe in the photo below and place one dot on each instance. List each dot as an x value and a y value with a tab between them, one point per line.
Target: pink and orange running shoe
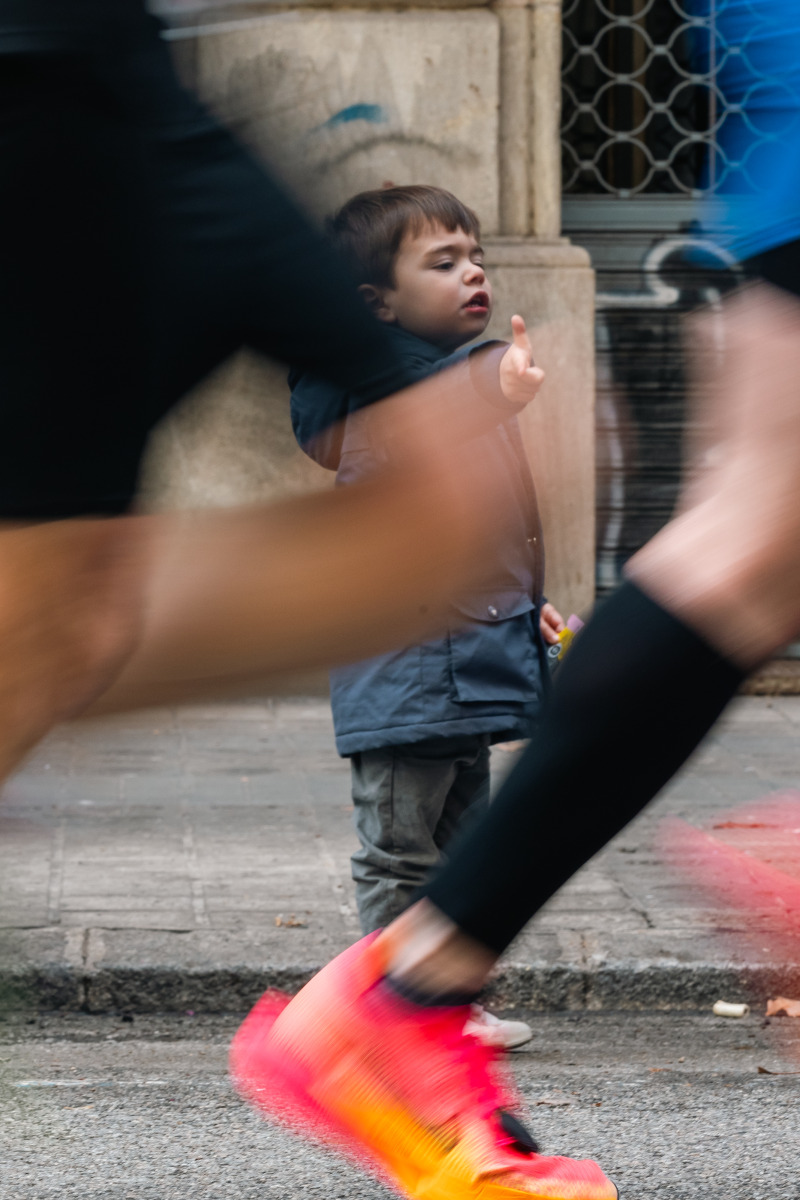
350	1063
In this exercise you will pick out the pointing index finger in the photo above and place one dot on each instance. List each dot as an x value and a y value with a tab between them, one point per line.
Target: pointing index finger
518	329
521	340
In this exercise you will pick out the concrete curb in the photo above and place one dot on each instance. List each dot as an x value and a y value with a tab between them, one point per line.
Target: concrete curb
619	986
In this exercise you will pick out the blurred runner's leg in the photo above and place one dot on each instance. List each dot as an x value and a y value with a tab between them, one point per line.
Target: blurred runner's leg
711	596
140	245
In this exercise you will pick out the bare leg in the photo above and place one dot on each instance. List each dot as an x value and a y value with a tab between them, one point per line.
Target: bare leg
728	566
246	596
433	956
70	609
197	604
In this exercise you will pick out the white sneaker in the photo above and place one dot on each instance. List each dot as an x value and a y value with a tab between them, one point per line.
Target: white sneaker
492	1031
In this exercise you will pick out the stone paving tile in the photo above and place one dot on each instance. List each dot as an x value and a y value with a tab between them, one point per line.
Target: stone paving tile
790	708
149	918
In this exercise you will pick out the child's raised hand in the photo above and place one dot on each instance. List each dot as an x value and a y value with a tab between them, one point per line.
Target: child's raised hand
520	380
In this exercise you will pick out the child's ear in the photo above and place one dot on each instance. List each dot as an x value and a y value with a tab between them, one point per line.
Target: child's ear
375	301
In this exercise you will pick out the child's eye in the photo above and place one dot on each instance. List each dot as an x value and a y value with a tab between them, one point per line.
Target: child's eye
443	266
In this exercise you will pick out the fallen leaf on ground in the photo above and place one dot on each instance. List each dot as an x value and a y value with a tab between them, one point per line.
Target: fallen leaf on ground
781	1007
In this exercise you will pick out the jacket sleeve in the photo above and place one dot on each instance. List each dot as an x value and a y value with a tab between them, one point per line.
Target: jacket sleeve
318	410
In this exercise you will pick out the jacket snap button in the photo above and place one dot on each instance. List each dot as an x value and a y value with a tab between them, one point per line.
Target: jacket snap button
532	541
492	611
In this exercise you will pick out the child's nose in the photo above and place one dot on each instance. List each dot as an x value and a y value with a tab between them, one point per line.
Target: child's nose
475	273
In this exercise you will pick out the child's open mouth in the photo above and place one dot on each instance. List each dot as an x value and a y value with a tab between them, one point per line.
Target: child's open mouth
479	303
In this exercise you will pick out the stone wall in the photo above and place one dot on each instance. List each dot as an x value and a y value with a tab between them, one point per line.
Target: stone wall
339	100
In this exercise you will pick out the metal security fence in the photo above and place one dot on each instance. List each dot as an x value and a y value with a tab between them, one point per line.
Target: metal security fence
637	119
658	95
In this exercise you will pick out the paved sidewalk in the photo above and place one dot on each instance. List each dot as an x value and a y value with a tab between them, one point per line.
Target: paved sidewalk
185	859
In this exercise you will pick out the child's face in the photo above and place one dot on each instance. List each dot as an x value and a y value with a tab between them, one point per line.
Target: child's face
440	290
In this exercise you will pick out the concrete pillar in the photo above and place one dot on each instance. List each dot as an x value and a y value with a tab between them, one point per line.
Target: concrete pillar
549	282
515	118
530	117
545	157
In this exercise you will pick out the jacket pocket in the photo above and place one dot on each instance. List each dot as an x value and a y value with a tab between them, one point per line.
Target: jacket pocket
495	659
499	604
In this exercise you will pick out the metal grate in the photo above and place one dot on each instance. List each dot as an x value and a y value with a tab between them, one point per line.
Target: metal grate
645	109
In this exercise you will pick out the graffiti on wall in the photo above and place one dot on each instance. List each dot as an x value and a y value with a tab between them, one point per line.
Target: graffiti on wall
646	422
342	101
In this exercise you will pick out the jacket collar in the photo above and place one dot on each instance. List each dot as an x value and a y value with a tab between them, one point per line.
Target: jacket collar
409	344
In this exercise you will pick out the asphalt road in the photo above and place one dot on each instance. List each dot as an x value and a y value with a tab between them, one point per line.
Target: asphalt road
672	1105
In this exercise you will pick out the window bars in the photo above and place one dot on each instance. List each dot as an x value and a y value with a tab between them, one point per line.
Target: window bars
660	95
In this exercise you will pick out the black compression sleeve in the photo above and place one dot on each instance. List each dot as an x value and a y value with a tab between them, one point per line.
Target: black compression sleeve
633	699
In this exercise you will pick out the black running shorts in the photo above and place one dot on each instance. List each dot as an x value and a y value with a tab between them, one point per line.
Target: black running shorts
140	245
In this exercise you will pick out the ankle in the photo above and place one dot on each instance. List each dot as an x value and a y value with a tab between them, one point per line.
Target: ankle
426	999
428	956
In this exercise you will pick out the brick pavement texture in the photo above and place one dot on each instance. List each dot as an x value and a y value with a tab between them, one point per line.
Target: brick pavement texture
185	859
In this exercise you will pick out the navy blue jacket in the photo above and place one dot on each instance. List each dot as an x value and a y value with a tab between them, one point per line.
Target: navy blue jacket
488	674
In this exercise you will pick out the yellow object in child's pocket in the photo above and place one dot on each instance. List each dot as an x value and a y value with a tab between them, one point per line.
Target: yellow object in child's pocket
556	652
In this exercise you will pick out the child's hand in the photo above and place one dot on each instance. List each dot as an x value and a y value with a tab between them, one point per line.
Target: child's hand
520	380
550	623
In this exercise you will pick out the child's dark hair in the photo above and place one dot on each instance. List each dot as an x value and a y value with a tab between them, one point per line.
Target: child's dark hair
369	228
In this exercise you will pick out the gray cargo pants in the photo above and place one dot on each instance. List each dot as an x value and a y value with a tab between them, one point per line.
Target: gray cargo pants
408	802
